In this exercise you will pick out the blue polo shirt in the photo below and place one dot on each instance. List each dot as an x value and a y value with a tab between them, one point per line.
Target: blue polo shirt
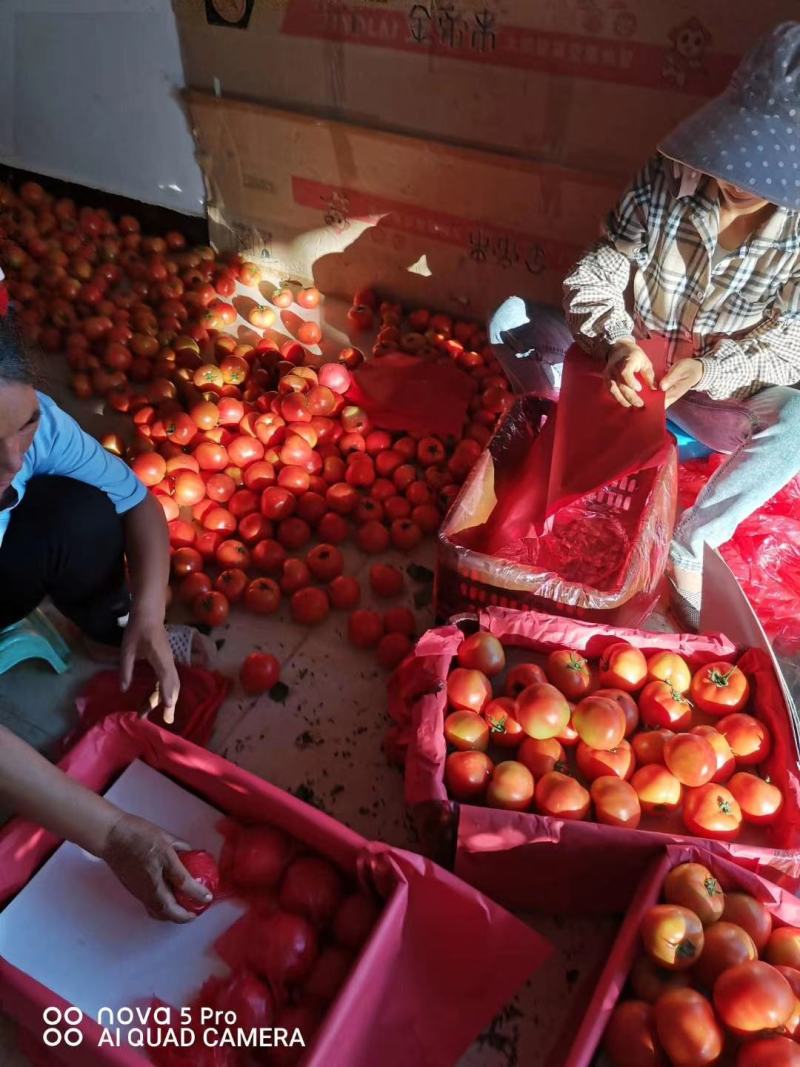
60	446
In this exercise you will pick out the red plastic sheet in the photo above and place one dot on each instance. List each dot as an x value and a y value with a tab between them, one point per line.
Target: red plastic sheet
441	961
526	860
403	392
764	554
201	696
784	908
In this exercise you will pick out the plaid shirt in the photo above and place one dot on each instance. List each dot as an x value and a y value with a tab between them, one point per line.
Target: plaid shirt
652	272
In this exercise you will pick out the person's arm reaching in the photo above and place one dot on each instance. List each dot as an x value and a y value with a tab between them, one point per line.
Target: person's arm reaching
142	856
147	551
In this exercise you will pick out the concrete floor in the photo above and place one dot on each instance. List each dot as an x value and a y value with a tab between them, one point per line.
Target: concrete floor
323	743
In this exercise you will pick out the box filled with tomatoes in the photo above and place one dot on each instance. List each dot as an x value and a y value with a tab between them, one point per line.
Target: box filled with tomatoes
705	970
355	944
567	754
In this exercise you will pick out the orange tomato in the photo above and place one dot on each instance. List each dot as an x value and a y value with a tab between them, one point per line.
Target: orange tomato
753	996
751	915
672	936
511	787
760	801
615	802
465	731
726	945
596	762
500	716
691	759
712	811
648	746
569	672
769	1052
693	886
623	667
749	738
659	791
599	722
466	774
630	1037
719	688
467	689
726	761
671	668
628	705
661	705
542	711
541	756
482	652
561	796
783	947
687	1028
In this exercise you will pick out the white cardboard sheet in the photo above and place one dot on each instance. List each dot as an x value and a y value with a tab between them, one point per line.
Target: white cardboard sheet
76	930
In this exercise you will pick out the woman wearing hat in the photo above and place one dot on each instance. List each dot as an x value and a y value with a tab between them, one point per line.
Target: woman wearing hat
704	250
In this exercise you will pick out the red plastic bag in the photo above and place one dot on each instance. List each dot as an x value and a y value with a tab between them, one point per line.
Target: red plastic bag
201	696
422	396
764	553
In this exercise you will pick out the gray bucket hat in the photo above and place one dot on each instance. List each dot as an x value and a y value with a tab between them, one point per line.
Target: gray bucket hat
749	135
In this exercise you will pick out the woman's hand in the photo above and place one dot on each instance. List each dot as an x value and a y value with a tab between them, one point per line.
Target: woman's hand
145	860
625	361
146	638
681	378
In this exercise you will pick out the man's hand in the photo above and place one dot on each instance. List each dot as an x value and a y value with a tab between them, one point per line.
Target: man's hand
625	361
683	376
145	860
146	638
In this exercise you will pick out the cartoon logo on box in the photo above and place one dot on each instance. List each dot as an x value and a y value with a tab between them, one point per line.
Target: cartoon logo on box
689	44
234	13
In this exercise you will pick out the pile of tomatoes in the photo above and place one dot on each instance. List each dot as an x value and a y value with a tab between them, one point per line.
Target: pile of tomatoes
293	950
245	436
618	739
714	978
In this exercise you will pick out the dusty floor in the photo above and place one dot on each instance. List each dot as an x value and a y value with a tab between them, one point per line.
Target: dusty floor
323	743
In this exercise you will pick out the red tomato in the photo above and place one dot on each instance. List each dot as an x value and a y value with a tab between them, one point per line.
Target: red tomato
693	886
511	787
630	1036
753	996
467	689
690	758
282	947
648	747
465	730
186	561
661	705
325	562
202	867
244	450
233	553
726	761
359	317
628	705
569	672
687	1029
659	791
726	945
751	915
311	887
220	487
193	585
760	801
482	652
712	811
232	582
355	920
211	609
791	1028
372	538
521	676
277	503
769	1052
542	711
344	593
599	722
219	519
268	556
467	774
672	936
182	534
365	629
750	739
259	475
296	575
294	533
649	981
616	802
150	468
254	528
386	581
405	534
262	596
719	688
211	456
393	649
561	796
783	947
505	730
623	667
597	763
671	668
540	756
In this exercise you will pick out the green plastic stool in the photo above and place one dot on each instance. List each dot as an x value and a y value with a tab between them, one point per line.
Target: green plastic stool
33	638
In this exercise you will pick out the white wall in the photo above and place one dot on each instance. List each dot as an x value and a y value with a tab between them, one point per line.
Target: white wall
88	94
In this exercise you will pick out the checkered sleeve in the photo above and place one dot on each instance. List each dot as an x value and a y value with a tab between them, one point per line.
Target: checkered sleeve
767	355
594	292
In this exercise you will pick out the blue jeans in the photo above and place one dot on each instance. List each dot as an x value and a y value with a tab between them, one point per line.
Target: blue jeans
530	340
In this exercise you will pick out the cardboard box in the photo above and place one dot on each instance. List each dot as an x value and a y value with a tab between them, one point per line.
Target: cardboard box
431	224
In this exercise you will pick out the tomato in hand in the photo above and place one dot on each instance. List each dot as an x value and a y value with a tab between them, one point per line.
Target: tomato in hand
259	672
616	802
671	668
560	796
542	711
482	652
749	738
659	791
630	1038
521	676
760	801
661	705
726	945
511	787
712	811
693	886
569	672
687	1029
672	936
623	667
500	717
719	688
751	915
467	689
599	722
753	996
691	759
597	762
467	774
465	730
